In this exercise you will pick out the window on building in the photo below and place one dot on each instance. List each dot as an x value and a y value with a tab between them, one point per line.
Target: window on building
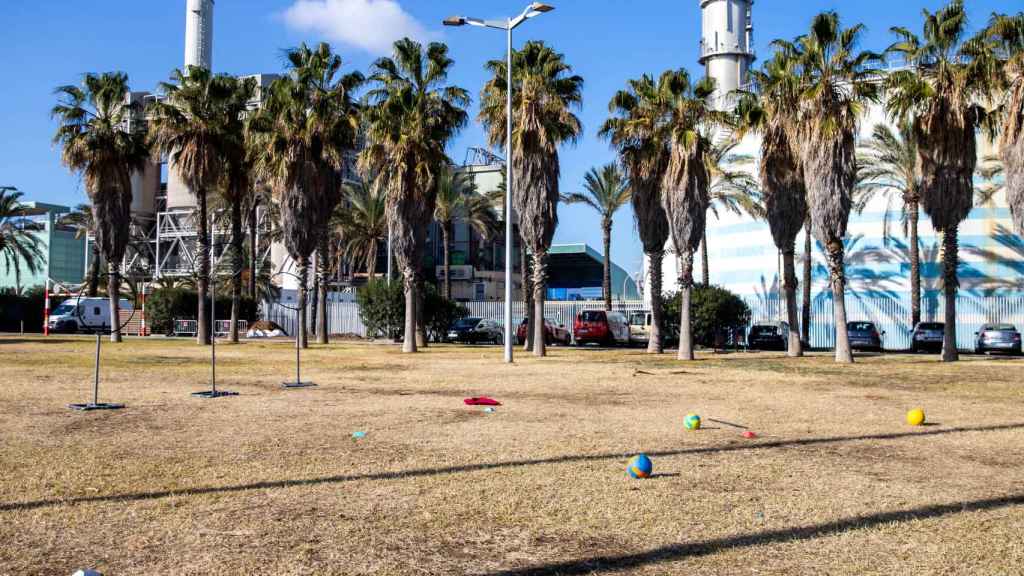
728	12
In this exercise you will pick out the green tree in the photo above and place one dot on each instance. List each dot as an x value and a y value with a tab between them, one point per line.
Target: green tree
1006	33
361	223
733	189
299	141
634	131
459	200
544	93
81	220
95	144
19	245
412	114
607	191
938	97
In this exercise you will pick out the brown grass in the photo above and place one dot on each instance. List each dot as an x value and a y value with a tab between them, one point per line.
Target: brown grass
272	482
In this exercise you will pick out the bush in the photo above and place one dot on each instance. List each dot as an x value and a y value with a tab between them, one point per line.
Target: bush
713	309
26	308
165	305
382	309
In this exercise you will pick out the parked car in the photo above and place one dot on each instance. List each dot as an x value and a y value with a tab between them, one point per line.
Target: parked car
83	315
864	336
556	333
927	337
601	327
997	338
769	336
639	327
473	330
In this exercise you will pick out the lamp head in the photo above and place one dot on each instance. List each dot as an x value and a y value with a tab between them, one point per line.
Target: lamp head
541	7
455	21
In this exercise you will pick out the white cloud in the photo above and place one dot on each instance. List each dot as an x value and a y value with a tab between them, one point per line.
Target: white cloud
370	25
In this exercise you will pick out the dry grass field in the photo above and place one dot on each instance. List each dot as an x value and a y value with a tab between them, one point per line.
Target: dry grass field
273	482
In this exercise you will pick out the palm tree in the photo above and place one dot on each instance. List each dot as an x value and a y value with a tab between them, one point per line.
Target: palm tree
95	144
938	97
835	85
361	223
772	113
689	118
607	191
733	189
81	220
19	246
299	142
1007	32
634	132
412	115
458	200
544	92
888	165
497	197
193	128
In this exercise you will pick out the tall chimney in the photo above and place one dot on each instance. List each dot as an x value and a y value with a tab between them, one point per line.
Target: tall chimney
199	33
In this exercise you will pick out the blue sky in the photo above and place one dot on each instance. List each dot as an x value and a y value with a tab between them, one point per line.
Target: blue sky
607	41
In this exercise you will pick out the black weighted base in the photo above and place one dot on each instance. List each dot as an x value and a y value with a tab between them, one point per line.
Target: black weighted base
297	385
213	394
95	406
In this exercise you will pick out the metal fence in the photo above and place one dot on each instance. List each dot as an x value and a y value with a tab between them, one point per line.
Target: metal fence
891	315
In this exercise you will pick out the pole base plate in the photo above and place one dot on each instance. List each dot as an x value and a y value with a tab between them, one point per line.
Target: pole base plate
213	394
95	406
297	385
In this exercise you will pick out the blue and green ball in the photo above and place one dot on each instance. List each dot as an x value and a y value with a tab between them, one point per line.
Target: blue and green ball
692	422
640	466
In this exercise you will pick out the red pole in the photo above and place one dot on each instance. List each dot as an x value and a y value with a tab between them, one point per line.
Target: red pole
46	309
142	331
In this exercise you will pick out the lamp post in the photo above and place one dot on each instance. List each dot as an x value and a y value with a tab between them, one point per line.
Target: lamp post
508	25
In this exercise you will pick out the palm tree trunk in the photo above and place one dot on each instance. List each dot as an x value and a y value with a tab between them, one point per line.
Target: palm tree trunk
540	263
805	304
409	336
789	275
915	266
705	273
950	256
837	276
253	251
94	271
113	292
524	262
446	247
655	345
371	261
302	332
203	283
237	264
421	328
321	297
606	279
685	288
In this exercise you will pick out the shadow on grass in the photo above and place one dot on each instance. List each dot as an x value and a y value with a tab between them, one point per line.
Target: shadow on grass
422	472
674	552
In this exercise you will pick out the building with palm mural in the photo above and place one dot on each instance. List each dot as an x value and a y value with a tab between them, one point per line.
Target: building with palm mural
63	250
742	256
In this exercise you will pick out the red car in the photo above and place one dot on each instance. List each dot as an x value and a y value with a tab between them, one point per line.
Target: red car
556	333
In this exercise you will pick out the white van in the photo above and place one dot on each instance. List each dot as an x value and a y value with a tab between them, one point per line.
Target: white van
83	314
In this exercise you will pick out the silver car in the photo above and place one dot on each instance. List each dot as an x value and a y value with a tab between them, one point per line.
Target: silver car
997	338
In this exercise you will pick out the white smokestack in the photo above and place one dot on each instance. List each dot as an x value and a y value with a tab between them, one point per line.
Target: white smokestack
199	33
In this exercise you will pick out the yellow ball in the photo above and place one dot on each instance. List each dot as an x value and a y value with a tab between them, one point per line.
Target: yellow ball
915	417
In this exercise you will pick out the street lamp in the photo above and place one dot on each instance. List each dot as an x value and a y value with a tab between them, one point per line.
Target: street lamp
508	25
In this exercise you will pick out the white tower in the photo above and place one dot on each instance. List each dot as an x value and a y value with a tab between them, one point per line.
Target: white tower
726	45
199	33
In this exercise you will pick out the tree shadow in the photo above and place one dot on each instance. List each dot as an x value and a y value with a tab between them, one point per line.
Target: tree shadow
675	552
426	472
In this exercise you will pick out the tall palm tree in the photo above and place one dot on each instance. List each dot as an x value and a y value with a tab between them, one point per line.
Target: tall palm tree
888	166
411	116
544	92
19	245
1007	32
836	84
299	141
95	144
192	127
733	189
81	220
459	200
689	119
772	113
607	191
938	97
634	131
361	222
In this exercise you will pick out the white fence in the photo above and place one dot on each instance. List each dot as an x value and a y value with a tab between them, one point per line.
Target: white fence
891	315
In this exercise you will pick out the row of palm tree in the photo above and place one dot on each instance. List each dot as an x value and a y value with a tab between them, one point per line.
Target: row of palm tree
19	245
